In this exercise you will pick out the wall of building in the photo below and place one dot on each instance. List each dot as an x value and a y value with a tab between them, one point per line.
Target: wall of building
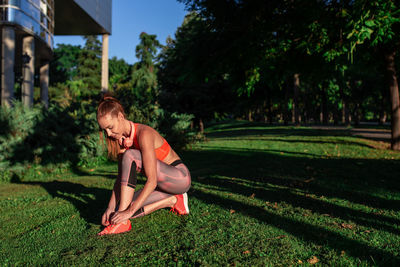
33	16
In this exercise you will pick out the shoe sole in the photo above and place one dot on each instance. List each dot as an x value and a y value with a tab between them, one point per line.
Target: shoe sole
185	203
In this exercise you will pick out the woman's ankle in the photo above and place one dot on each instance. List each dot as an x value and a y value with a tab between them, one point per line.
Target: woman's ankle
173	201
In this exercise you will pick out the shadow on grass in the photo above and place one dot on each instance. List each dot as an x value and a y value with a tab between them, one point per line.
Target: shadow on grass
304	231
356	180
89	201
275	194
276	131
238	129
108	175
251	150
378	139
337	142
268	133
279	178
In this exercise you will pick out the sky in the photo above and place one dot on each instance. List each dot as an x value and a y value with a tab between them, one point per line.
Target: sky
130	18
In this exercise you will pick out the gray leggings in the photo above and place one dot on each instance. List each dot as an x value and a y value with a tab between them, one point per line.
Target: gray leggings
172	179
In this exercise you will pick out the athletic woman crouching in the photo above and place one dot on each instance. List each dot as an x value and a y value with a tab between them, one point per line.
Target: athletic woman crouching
139	148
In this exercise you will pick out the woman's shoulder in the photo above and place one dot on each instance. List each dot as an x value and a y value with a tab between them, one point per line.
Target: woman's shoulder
144	129
148	132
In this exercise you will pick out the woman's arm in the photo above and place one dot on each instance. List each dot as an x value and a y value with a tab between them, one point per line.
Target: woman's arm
112	204
116	192
105	219
146	143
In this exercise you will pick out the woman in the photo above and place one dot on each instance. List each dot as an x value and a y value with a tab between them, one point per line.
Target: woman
139	148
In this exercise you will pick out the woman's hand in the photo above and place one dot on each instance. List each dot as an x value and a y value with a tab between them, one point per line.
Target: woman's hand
121	216
105	219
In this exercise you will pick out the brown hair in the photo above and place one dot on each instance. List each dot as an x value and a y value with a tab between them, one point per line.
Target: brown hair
110	105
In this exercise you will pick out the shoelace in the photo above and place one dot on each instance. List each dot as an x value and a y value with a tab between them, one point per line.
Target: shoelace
173	211
107	230
110	227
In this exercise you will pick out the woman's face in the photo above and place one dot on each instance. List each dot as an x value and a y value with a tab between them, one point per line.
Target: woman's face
112	125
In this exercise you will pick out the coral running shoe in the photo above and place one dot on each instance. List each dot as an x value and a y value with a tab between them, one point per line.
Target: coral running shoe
116	228
181	206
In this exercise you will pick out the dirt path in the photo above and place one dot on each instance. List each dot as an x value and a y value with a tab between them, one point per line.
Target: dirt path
373	134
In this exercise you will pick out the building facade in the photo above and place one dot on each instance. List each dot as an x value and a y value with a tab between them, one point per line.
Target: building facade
27	31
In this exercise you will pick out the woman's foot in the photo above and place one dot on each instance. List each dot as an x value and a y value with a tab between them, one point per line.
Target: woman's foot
181	206
116	228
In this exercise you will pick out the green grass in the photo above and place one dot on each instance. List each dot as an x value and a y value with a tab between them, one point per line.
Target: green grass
260	195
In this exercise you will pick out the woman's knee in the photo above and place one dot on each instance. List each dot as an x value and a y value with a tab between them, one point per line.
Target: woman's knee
131	155
131	163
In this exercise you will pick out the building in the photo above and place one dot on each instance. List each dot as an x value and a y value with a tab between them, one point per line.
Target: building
27	30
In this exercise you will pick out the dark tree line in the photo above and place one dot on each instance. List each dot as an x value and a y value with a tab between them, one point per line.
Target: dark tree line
287	60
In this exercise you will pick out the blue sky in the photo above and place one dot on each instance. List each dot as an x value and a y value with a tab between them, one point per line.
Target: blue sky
130	18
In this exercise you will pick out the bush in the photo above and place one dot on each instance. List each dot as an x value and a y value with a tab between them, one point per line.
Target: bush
174	127
58	137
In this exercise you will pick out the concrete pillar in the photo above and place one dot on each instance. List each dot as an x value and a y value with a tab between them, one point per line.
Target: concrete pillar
104	64
7	65
44	84
28	70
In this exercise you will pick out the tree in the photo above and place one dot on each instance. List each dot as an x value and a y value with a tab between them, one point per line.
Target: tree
377	25
190	78
144	77
63	67
119	71
89	64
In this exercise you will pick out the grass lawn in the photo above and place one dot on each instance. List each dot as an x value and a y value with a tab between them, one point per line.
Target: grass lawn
260	195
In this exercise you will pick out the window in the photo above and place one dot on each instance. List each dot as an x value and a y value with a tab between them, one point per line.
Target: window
3	14
11	2
43	7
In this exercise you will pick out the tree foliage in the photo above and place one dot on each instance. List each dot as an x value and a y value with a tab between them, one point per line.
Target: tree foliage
64	65
89	65
314	61
144	74
119	71
188	74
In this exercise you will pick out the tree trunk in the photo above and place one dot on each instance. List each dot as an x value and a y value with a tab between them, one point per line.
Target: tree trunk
270	113
382	111
346	114
264	111
293	113
249	115
346	107
286	106
382	117
296	85
336	115
321	115
391	80
324	107
357	114
201	126
343	111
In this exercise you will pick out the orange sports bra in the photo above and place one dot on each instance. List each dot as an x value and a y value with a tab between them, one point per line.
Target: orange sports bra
161	152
